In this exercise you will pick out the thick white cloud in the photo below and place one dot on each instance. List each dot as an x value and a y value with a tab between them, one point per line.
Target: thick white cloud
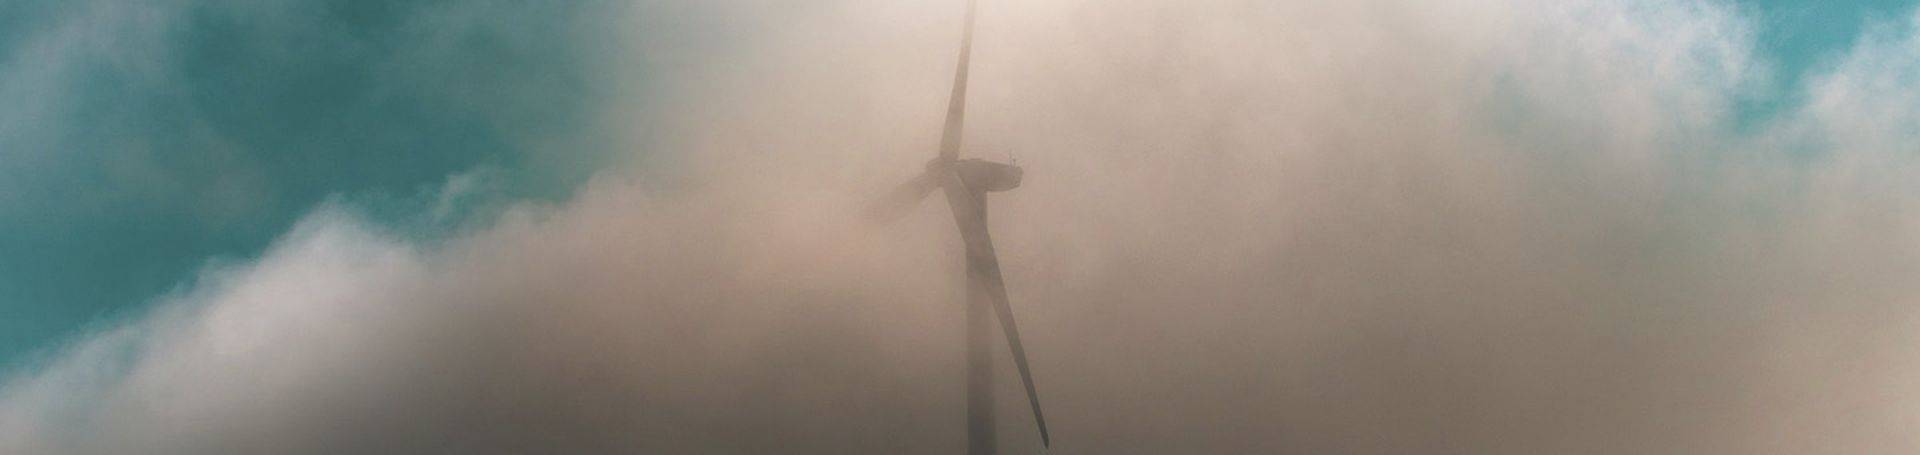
1313	227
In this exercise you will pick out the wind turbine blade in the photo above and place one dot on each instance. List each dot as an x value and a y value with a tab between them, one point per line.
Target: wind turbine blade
998	290
957	103
983	270
902	199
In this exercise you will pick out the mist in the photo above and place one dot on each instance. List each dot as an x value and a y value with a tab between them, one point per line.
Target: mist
1483	226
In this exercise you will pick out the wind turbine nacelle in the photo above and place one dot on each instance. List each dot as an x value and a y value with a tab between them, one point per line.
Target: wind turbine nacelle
988	176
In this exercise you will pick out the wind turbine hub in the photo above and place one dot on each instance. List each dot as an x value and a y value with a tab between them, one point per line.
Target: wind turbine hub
982	175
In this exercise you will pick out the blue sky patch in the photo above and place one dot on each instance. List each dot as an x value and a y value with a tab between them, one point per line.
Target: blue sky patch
144	140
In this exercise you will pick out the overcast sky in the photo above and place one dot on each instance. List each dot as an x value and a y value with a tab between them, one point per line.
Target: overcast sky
1476	226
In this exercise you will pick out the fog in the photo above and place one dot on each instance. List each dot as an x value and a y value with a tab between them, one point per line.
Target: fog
1482	226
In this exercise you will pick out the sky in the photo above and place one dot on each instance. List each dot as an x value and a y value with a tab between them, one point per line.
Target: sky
151	139
1799	38
1483	226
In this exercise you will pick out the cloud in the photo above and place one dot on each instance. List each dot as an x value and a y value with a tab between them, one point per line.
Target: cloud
1292	227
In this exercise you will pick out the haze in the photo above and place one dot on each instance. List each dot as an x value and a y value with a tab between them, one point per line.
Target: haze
1475	226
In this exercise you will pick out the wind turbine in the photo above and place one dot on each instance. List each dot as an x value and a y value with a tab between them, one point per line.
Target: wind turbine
966	183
